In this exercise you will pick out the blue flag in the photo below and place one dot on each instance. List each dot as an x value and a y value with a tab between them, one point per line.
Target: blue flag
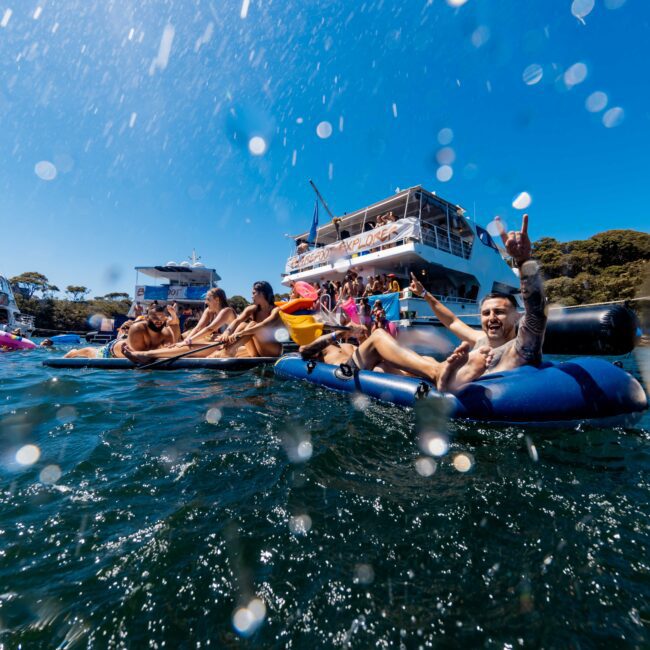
485	238
314	226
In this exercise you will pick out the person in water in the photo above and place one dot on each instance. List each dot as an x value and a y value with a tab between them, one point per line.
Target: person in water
505	341
159	328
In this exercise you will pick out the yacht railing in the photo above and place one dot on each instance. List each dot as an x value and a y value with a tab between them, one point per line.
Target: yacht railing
443	240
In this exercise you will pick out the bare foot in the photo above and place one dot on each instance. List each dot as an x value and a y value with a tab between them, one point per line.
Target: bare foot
138	359
458	358
476	365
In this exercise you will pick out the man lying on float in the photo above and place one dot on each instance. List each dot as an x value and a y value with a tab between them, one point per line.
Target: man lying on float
505	341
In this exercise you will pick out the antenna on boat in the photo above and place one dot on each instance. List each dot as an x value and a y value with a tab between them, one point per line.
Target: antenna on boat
195	258
322	200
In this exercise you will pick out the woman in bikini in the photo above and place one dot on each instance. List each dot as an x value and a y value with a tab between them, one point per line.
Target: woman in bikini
252	333
216	316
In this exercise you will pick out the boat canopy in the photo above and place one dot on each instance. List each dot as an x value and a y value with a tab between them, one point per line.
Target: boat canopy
412	202
181	274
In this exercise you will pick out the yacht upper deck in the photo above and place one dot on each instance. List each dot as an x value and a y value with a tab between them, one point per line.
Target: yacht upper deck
413	215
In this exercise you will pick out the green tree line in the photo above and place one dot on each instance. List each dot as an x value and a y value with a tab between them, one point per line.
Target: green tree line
612	265
35	296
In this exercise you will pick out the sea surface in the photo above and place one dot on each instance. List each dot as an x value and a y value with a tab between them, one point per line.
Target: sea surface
192	509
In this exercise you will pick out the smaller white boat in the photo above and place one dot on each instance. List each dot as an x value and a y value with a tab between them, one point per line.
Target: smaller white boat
10	316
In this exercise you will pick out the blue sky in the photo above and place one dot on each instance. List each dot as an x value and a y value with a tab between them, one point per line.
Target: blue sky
145	111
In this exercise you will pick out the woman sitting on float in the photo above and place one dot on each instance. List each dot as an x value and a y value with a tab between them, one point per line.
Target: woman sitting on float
260	337
216	316
248	335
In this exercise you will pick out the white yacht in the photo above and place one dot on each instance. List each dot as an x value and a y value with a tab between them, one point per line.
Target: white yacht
455	259
10	316
182	282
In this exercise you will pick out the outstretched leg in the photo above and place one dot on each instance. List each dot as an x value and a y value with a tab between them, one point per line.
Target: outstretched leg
382	347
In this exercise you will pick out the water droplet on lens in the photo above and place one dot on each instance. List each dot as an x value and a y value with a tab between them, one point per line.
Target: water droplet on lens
304	450
360	401
446	156
522	201
247	619
613	117
434	444
50	474
364	574
532	450
257	145
596	101
533	74
300	524
66	414
28	455
614	4
445	136
575	74
45	170
444	173
213	416
496	227
480	36
425	466
582	8
324	130
281	335
463	462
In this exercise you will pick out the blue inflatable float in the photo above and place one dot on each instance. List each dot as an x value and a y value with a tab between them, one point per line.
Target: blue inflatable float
66	339
585	389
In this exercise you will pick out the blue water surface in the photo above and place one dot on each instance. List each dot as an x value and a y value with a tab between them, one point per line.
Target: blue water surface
189	509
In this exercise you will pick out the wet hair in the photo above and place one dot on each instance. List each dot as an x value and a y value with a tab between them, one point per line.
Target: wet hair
505	296
156	308
218	294
265	289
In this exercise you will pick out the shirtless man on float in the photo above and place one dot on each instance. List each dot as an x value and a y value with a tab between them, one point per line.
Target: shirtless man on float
161	327
500	345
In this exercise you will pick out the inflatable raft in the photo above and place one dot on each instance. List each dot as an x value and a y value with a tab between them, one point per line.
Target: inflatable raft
13	342
66	339
176	364
585	389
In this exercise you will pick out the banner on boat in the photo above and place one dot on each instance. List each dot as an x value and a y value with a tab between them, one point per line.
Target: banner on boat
170	292
391	233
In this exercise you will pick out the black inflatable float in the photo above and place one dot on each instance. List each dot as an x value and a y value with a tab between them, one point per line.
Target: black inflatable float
599	329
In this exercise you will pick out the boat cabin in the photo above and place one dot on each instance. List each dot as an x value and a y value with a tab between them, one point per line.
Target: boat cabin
184	283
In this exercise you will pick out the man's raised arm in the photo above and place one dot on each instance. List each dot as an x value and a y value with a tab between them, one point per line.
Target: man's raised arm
447	317
530	335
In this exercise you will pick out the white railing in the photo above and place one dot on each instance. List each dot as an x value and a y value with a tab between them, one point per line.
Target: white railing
443	240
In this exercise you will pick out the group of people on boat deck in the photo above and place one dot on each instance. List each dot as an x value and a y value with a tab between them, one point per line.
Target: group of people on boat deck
504	342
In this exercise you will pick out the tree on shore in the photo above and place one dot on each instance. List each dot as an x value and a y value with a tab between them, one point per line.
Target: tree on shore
115	295
78	292
28	283
611	265
238	303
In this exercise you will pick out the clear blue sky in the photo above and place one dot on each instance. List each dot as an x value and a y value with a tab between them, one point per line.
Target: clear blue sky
146	110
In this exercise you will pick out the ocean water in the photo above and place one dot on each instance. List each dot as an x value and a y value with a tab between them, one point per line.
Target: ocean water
186	510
